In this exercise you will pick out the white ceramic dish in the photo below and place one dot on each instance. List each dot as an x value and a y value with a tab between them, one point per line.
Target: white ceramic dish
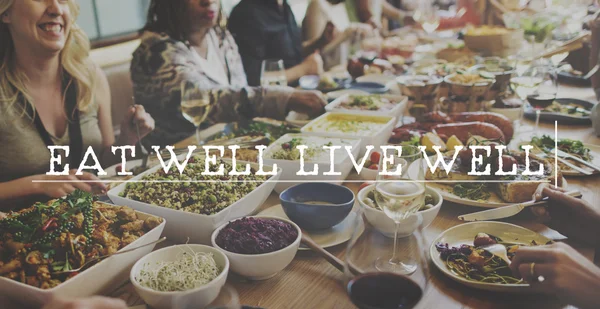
196	227
465	234
388	80
290	168
387	226
336	235
375	137
260	266
398	111
297	119
97	279
199	297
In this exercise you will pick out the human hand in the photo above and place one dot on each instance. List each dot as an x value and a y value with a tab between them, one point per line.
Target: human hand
55	189
95	302
566	273
572	217
328	34
307	102
136	117
365	30
313	64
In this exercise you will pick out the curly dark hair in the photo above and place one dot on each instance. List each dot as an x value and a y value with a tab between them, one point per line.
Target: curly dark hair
168	16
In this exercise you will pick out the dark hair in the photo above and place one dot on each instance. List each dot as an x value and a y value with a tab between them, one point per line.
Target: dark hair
168	16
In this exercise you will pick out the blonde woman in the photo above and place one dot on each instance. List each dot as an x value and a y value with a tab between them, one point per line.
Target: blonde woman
52	94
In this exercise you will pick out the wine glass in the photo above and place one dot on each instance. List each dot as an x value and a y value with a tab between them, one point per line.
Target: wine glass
368	286
400	196
546	91
195	104
524	85
427	16
272	73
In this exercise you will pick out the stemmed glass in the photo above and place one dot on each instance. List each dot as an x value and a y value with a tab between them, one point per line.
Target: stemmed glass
524	85
546	91
368	286
427	16
273	73
195	104
400	195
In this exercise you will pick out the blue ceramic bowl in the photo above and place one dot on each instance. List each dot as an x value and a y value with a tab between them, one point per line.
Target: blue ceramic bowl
295	202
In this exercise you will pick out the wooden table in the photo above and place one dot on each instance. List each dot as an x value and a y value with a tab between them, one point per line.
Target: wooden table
310	282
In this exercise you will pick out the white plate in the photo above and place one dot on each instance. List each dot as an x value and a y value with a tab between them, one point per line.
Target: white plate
594	151
334	236
465	234
297	119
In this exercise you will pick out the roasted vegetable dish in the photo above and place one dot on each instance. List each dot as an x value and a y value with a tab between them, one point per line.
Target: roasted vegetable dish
192	191
474	263
39	242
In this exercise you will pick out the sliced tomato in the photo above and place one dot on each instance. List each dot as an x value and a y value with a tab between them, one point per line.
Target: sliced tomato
375	157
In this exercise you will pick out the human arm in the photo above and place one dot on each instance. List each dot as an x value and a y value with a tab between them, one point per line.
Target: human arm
135	116
572	217
94	302
565	272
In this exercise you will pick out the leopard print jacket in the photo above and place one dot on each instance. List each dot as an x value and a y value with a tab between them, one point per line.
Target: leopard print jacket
159	66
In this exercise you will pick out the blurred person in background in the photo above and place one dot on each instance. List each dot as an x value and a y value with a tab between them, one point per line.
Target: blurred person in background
185	41
319	19
267	29
372	12
51	93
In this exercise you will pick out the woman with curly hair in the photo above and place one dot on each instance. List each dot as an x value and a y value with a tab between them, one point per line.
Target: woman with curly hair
186	41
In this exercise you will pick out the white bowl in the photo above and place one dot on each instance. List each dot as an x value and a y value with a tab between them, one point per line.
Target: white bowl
200	297
376	137
289	169
397	111
260	266
513	113
387	226
98	279
197	227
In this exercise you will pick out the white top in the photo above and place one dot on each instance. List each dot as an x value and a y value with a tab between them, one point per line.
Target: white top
214	62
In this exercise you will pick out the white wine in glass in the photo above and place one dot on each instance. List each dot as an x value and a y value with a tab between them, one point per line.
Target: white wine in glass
195	104
525	86
273	73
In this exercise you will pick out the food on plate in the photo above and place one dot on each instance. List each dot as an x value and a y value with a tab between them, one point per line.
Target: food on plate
539	26
570	146
464	130
327	82
513	188
203	194
348	124
453	142
367	103
474	263
430	139
373	162
571	109
189	271
253	235
256	129
471	78
63	234
314	152
486	30
370	201
420	81
460	54
441	69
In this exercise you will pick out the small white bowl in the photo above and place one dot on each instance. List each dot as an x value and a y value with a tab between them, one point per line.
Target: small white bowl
200	297
387	226
513	113
260	266
368	174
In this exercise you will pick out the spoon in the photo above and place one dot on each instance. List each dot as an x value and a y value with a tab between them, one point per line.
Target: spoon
499	251
332	259
108	255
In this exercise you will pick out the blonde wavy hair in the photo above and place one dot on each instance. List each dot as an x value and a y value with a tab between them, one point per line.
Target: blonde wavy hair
74	60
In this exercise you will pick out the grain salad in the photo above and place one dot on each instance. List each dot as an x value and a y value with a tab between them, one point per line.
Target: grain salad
193	192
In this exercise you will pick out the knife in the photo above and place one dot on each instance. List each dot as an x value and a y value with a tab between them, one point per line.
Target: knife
563	154
507	211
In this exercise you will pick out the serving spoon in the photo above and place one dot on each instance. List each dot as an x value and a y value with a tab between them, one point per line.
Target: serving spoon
332	259
96	259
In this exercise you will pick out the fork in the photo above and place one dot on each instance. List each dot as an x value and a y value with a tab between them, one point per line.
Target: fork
96	259
566	155
544	155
